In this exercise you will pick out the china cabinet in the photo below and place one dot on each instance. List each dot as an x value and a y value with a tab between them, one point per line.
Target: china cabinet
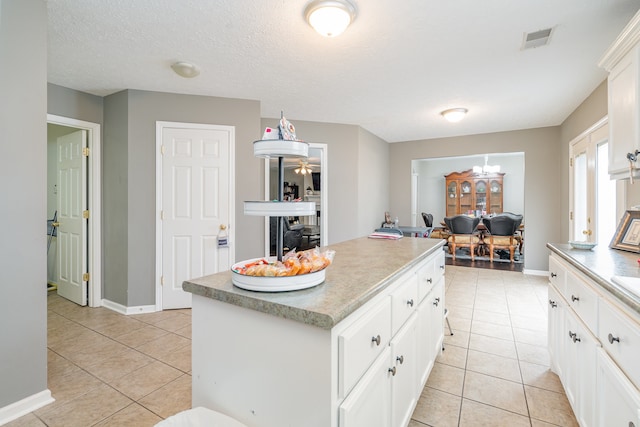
468	192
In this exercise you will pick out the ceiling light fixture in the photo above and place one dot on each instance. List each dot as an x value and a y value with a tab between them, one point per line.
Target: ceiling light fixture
454	114
486	168
303	168
330	17
185	69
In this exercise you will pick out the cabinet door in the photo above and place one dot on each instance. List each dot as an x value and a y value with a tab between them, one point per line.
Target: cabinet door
452	198
466	196
555	333
404	380
436	318
618	401
369	403
623	112
579	371
481	196
495	196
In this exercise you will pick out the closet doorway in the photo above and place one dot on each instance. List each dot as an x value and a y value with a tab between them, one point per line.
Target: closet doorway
73	199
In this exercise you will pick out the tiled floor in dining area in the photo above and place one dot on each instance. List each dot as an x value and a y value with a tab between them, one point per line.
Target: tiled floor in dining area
106	369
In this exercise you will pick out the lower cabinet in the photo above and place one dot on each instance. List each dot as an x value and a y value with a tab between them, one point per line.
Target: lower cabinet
593	349
404	381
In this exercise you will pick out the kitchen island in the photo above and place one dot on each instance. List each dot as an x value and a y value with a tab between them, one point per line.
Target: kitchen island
594	332
354	350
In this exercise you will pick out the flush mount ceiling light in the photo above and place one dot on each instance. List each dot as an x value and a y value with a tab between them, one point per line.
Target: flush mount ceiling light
454	114
185	69
330	17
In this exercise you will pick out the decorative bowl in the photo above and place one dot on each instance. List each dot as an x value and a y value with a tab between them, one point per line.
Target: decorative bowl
582	245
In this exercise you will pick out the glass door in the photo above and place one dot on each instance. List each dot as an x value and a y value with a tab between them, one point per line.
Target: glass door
466	194
481	197
452	198
593	194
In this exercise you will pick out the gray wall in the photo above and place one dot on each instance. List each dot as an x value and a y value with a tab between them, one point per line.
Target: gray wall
543	170
373	182
66	102
23	132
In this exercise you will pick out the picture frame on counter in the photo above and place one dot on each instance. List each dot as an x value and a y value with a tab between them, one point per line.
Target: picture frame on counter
627	237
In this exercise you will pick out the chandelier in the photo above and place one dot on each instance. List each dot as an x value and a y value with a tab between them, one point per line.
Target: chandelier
303	168
486	168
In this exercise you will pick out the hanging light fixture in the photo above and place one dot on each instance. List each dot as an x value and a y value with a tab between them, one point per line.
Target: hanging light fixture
303	169
330	17
454	114
486	168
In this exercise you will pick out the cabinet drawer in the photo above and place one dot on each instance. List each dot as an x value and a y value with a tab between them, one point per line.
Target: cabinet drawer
404	301
557	274
429	274
583	300
620	337
361	343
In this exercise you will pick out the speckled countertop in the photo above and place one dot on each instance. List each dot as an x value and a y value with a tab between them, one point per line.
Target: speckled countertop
600	264
361	269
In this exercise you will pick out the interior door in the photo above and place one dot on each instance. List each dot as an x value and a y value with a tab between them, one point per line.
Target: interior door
195	204
72	226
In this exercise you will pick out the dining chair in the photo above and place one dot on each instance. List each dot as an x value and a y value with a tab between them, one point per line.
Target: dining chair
501	233
463	233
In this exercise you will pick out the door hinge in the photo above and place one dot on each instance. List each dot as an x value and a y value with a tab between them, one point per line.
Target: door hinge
162	149
571	216
161	280
162	214
85	214
85	277
85	151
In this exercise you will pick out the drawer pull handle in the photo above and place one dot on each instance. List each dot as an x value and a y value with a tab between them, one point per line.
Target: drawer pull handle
553	275
613	339
575	338
442	267
376	339
574	298
572	335
410	303
436	302
553	304
400	359
393	371
429	280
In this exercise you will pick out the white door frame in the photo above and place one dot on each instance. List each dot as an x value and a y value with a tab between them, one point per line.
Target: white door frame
160	125
94	227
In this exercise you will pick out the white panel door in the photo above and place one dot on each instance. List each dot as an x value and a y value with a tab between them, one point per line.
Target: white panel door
72	231
195	208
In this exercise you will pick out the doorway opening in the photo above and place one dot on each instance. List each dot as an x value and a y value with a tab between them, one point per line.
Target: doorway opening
90	263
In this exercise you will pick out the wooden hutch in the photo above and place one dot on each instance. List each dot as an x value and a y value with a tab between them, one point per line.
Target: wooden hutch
467	192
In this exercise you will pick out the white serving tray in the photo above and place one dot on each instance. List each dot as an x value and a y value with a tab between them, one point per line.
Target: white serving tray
267	208
275	284
280	148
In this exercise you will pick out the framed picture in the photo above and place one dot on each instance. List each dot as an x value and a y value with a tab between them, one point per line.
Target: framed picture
627	237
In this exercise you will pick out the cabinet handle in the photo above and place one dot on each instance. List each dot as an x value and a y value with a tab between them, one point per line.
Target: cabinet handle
437	300
410	303
575	338
572	335
553	304
393	371
429	280
613	339
400	359
553	275
442	267
574	298
376	339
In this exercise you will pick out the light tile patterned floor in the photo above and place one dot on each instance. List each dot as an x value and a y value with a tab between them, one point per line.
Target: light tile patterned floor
106	369
495	368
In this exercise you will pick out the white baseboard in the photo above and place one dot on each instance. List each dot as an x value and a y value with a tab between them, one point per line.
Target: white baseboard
24	406
119	308
535	272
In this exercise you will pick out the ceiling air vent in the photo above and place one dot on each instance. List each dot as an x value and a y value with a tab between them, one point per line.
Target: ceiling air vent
536	38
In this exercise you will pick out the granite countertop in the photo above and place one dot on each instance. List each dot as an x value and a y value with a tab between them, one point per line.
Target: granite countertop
361	269
602	263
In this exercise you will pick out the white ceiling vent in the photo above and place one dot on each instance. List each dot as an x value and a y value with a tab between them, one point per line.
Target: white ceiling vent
536	38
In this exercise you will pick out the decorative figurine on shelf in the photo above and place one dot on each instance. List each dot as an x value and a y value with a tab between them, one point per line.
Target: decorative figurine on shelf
287	130
309	191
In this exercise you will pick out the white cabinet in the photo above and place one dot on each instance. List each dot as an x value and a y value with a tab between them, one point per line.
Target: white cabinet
621	61
430	329
404	381
594	345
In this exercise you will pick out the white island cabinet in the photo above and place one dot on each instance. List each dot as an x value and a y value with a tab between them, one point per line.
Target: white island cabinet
355	350
594	334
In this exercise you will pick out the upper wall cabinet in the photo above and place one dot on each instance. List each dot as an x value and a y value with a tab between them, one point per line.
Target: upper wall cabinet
621	60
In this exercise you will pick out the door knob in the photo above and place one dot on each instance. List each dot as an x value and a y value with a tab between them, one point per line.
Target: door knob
223	227
55	224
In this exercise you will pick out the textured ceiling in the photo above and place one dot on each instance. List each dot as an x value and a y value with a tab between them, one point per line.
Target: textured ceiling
391	72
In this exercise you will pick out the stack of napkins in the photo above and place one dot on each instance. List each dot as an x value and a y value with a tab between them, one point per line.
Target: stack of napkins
384	235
